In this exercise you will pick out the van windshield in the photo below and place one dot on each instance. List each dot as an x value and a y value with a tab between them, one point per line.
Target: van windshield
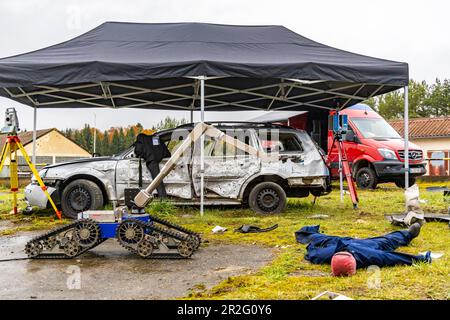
375	128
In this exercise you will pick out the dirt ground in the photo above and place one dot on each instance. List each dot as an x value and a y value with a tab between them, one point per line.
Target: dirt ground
110	272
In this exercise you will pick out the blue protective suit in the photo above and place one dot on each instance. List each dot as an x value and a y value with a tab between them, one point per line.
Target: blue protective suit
378	251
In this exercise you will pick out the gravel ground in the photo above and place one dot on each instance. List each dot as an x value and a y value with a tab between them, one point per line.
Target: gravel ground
110	272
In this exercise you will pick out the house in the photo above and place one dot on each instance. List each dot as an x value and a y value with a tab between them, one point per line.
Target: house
51	147
433	136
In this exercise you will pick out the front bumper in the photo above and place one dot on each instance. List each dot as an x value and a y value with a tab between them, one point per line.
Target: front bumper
34	195
395	169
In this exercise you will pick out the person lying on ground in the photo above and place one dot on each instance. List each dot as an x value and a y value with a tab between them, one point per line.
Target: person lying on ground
379	251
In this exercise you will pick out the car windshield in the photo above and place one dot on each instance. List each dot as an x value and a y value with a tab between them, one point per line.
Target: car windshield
375	128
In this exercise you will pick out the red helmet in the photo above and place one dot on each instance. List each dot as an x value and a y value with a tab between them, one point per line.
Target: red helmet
343	264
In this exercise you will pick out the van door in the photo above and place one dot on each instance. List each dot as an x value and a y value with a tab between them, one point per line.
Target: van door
226	167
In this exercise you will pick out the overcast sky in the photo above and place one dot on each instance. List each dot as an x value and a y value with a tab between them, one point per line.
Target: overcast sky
412	31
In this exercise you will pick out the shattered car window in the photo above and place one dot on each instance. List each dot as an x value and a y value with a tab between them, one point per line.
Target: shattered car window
281	142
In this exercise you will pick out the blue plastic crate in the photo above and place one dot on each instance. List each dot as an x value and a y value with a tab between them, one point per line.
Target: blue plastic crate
109	229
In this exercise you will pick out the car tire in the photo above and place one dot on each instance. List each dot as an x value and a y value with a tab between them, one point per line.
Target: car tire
401	183
80	195
267	198
366	178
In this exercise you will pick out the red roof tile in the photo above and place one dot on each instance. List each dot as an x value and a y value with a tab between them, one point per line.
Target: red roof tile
27	136
424	127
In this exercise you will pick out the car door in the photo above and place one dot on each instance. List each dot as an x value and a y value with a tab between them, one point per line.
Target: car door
226	167
178	182
127	173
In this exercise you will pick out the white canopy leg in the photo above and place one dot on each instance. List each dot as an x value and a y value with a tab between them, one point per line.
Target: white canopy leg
202	145
34	135
406	120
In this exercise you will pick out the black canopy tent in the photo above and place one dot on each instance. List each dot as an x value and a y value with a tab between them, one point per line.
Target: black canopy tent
197	66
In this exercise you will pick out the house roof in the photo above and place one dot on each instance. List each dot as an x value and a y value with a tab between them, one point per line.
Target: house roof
424	127
27	136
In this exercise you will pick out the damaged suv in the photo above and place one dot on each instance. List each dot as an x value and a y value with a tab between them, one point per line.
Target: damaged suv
231	176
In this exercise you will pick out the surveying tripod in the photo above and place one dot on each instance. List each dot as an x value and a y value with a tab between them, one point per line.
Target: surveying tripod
12	144
339	128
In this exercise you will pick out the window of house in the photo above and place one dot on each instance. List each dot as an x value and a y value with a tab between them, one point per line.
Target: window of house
438	166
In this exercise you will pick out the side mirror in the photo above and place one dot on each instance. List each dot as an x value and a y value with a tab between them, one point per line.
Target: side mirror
350	136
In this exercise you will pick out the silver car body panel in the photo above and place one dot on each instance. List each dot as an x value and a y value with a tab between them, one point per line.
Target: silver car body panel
35	196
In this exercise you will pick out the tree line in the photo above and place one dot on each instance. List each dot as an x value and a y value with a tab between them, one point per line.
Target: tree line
425	100
116	139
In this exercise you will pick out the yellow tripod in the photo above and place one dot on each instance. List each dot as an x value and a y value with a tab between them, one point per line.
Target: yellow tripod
10	148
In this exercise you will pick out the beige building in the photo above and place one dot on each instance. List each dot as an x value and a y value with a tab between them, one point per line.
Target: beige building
432	135
51	147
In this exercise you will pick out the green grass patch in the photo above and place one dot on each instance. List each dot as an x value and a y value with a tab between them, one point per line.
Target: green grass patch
289	276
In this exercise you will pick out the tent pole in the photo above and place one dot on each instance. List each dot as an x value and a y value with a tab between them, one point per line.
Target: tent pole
34	134
341	175
202	145
406	123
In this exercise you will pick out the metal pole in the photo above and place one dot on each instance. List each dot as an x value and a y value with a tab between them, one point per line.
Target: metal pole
202	145
341	176
406	123
192	114
34	135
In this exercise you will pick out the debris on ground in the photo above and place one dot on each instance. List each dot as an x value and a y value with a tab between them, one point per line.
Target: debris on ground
331	296
399	219
219	229
319	216
413	211
254	229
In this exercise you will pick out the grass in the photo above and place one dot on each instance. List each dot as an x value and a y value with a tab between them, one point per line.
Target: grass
42	219
289	276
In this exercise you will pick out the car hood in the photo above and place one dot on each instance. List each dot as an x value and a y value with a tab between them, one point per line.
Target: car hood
393	144
87	160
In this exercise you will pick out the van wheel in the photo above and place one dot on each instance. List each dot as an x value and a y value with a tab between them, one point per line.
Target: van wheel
366	178
267	198
80	195
401	183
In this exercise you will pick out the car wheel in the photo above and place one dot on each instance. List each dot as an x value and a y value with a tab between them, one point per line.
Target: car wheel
80	195
366	178
401	183
267	198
